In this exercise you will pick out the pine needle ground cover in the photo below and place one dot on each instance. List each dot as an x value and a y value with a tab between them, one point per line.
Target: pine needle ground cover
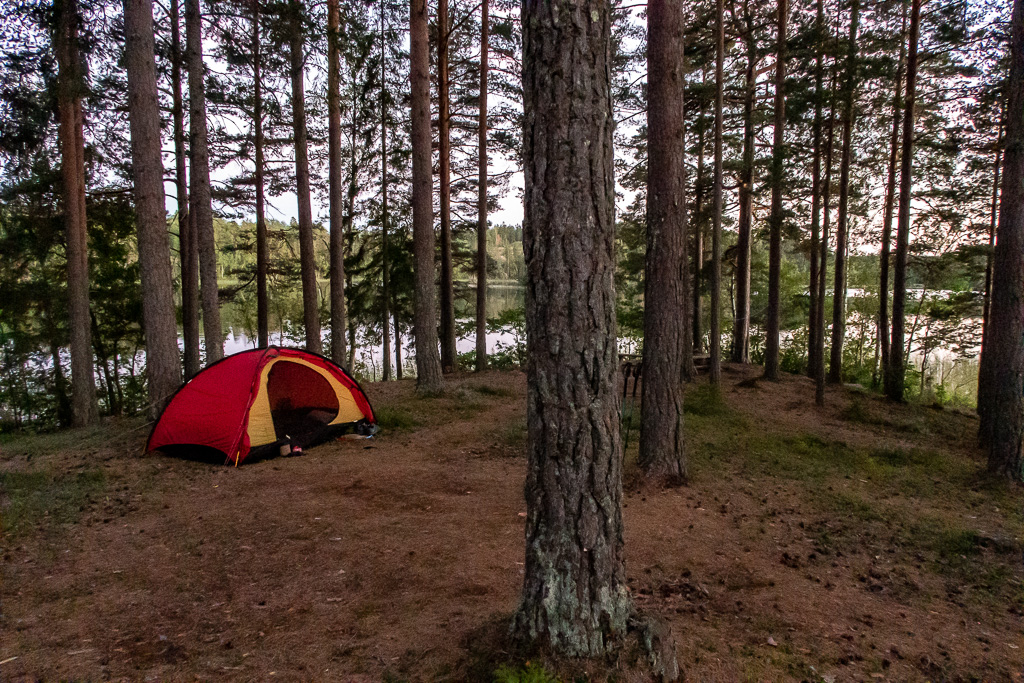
859	541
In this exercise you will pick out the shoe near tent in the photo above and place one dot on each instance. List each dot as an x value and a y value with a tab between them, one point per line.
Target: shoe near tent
250	404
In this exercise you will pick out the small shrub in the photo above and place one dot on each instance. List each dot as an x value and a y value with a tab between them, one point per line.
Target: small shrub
531	673
395	418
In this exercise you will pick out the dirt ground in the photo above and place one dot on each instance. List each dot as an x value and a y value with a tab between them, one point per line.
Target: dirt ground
854	542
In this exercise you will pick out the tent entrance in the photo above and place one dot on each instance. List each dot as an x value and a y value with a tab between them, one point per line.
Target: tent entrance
302	402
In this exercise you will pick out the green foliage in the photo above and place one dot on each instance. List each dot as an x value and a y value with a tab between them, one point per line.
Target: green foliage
395	418
511	351
532	672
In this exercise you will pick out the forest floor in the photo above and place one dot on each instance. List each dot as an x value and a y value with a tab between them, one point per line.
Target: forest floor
860	541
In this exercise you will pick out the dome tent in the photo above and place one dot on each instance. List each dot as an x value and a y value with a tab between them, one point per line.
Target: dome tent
249	404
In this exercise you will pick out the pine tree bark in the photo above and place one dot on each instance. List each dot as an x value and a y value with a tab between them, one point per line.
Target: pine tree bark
200	199
335	189
163	367
350	210
188	248
575	598
771	353
481	229
662	453
71	138
262	241
890	203
428	361
307	256
894	378
1003	417
696	314
715	368
813	331
985	382
384	248
448	356
741	323
835	367
826	221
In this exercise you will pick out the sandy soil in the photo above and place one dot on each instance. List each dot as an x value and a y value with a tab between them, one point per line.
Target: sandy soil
386	559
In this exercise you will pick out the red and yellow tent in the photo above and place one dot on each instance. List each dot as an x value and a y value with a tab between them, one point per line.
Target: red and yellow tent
255	401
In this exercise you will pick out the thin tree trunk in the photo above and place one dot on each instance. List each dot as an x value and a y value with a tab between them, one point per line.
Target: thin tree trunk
1003	417
398	344
334	181
385	262
448	359
895	377
993	224
662	453
481	230
428	361
70	88
890	203
741	323
771	353
575	599
835	368
812	326
697	310
985	383
262	241
716	230
163	367
826	220
200	200
188	248
350	210
307	256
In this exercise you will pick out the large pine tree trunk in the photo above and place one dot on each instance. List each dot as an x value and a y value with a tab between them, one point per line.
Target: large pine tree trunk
188	248
894	378
428	361
890	203
575	599
1003	360
448	359
741	323
835	367
771	351
662	447
200	200
70	88
163	367
307	256
481	229
715	370
262	242
335	188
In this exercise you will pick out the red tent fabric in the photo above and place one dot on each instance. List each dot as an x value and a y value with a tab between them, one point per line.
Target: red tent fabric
251	398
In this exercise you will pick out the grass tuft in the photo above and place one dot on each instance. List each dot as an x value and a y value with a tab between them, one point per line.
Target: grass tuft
705	400
395	418
34	498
